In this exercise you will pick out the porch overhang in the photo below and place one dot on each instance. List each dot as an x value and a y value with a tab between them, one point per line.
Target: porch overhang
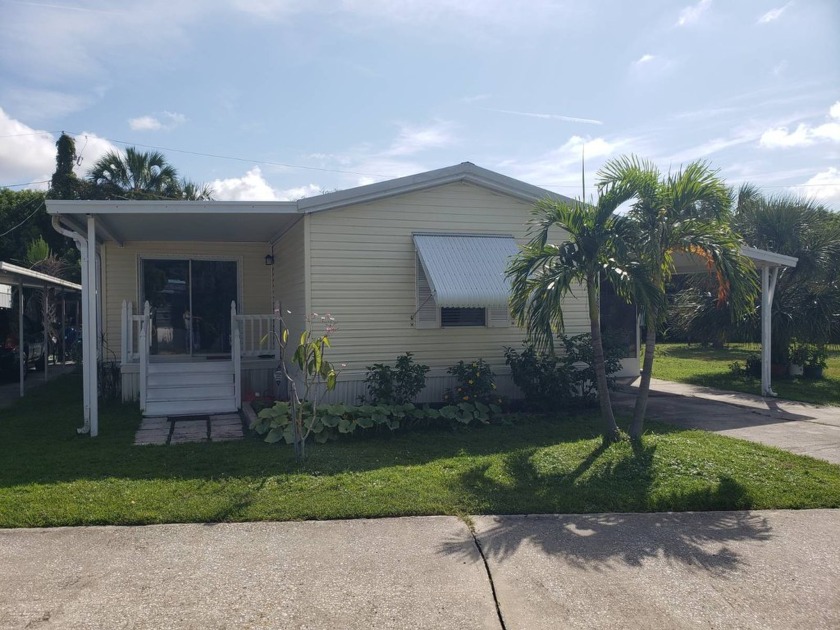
190	221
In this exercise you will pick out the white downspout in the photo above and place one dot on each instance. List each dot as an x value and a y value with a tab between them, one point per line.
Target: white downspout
81	245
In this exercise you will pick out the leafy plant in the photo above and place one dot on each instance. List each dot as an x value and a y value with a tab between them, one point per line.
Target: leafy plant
398	385
277	423
549	381
817	357
475	383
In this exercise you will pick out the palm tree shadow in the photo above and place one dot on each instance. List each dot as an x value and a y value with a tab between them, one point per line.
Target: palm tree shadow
598	541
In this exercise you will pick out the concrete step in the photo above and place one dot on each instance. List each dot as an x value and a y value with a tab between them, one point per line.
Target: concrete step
191	367
190	407
171	379
159	394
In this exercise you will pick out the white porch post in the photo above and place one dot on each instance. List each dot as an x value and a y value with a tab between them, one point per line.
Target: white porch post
46	309
21	339
768	287
89	335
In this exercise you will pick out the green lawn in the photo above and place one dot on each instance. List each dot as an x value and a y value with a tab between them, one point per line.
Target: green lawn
696	365
49	476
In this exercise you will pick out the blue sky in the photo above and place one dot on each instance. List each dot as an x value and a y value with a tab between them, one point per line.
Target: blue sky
280	99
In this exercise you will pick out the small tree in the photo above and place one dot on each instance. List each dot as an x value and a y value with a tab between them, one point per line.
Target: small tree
316	374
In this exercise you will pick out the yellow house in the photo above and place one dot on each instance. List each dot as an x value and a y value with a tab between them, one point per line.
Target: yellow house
188	295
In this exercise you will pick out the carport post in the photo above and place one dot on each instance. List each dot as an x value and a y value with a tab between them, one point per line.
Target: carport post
63	324
89	335
768	287
46	309
21	360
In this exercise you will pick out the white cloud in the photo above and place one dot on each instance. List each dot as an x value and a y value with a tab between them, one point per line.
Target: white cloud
560	168
804	135
40	105
153	123
824	187
411	140
773	14
26	154
144	123
646	58
588	121
250	187
691	14
299	192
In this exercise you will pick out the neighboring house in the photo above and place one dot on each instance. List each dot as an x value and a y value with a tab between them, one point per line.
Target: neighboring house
412	264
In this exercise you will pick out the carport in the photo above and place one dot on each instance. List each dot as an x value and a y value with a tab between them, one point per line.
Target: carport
767	264
19	278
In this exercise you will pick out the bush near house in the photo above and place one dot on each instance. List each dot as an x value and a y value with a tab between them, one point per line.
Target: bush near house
551	381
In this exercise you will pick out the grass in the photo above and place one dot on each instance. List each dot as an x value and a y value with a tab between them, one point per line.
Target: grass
49	476
709	367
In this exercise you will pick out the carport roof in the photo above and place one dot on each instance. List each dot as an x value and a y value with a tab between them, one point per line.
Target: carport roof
15	275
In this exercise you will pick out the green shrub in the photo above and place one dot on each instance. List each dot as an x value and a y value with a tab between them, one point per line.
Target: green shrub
549	381
398	385
475	383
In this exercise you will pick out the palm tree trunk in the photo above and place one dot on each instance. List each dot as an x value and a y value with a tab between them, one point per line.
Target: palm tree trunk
611	432
638	425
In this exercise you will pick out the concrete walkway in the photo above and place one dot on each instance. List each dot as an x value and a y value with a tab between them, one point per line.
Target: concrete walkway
793	426
181	430
771	569
10	390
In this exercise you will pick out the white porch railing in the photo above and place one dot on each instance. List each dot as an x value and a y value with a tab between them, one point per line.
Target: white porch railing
144	342
252	336
131	323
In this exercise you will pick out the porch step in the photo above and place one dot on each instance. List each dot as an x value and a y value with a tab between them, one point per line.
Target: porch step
186	388
190	407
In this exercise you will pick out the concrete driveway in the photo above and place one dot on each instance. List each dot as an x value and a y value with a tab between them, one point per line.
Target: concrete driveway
707	570
793	426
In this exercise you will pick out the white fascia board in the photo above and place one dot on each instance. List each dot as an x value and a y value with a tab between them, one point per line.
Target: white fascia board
60	206
764	258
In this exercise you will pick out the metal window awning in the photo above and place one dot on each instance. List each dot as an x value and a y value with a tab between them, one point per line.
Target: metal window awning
466	270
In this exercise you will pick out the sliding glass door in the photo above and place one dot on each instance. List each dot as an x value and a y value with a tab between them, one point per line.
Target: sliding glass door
190	302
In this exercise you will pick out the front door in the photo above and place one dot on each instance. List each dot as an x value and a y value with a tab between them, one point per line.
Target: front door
190	302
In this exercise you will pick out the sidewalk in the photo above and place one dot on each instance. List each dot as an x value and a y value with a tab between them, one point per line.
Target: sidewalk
798	427
767	569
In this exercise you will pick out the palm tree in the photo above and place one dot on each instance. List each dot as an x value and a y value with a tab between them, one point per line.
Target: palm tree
543	274
686	212
141	175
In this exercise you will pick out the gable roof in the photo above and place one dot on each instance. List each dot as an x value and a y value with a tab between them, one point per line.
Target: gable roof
249	221
464	172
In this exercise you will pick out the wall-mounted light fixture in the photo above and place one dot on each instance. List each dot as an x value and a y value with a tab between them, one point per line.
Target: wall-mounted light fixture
269	260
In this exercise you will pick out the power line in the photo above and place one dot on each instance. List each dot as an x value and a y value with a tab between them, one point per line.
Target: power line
42	181
237	159
31	214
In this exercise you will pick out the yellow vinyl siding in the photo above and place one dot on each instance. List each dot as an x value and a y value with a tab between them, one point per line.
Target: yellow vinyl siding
290	275
122	265
362	266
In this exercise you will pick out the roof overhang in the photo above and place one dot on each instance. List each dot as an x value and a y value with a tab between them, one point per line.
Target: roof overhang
15	275
466	270
689	263
123	221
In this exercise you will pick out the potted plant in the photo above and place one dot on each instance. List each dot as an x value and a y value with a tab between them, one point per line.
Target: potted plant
816	362
798	359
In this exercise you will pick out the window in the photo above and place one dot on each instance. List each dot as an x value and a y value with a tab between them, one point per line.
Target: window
458	316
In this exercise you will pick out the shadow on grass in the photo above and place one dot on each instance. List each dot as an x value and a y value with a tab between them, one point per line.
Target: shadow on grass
611	482
40	445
